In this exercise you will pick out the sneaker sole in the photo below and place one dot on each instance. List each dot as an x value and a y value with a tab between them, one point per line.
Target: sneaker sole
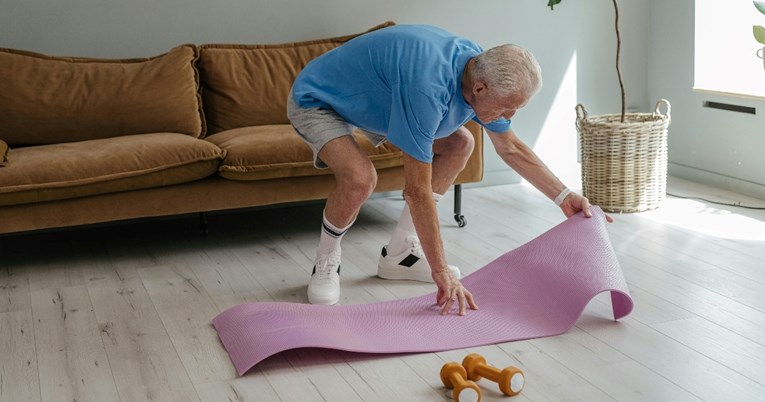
325	300
402	274
407	275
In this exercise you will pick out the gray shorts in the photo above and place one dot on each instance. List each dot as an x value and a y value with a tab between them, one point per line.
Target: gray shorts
319	126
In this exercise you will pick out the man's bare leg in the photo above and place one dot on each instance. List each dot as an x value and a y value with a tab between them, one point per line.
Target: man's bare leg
355	175
355	180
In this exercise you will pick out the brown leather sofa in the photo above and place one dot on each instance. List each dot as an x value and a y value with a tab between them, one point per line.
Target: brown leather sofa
197	129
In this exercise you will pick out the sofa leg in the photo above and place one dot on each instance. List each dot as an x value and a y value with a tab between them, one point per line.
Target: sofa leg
203	228
458	206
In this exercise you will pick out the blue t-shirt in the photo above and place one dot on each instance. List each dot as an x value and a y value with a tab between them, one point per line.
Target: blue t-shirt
404	82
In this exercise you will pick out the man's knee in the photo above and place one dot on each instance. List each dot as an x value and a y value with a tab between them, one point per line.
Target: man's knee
465	140
358	182
461	142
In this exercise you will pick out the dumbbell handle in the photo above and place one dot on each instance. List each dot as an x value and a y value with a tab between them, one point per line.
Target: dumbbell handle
488	372
456	378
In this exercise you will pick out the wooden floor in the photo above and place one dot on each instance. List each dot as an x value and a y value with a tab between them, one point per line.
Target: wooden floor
123	312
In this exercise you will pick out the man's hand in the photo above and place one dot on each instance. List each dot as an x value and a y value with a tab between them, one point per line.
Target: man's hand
573	203
450	289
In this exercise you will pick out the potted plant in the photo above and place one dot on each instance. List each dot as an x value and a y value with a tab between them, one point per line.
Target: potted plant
623	156
759	32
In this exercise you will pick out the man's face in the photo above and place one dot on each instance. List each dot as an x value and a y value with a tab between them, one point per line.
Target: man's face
489	107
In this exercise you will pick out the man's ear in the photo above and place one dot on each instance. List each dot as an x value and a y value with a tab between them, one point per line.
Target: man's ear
479	87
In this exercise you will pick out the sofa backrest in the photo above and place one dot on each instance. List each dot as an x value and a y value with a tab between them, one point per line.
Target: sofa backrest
248	85
46	100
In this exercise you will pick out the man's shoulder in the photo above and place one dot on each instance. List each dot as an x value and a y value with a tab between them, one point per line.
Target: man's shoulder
414	32
419	28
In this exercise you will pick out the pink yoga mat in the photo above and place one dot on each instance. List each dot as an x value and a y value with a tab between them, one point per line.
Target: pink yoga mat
538	289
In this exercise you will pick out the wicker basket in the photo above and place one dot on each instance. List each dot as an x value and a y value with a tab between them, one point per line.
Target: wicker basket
624	165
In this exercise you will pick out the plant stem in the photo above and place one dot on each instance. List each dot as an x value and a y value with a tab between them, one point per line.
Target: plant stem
618	54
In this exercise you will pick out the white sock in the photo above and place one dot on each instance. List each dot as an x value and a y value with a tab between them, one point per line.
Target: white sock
331	236
404	229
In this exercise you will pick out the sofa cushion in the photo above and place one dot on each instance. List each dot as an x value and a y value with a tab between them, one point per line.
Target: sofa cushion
59	171
47	100
247	85
274	151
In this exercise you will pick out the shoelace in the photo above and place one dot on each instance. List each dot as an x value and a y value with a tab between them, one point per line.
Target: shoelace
326	266
416	247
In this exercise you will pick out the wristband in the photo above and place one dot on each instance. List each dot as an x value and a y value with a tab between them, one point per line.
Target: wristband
562	196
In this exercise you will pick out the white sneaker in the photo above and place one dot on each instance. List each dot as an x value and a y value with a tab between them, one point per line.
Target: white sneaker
409	265
324	286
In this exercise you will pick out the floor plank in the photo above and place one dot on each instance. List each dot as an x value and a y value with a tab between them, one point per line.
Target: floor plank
133	334
186	312
71	359
18	372
690	370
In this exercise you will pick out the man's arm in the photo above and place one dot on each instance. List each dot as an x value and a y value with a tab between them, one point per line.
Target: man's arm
525	161
419	195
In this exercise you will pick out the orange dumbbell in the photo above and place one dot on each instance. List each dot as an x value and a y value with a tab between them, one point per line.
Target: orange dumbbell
453	375
510	379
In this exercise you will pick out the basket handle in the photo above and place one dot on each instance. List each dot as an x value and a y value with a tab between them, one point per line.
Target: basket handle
661	102
581	113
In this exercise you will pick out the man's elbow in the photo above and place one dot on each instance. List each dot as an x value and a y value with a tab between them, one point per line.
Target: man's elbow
508	151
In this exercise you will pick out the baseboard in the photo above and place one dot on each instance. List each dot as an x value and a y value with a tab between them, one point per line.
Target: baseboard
744	187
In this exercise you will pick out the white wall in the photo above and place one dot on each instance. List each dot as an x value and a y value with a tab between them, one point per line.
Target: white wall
575	45
714	146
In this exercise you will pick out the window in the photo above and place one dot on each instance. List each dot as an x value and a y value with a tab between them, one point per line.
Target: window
726	57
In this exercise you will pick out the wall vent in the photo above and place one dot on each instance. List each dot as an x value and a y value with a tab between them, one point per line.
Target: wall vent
730	107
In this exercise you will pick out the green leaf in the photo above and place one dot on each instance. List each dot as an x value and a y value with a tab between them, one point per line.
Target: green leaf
552	3
760	6
759	33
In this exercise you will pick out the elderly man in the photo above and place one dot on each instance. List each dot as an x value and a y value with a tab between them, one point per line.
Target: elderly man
415	86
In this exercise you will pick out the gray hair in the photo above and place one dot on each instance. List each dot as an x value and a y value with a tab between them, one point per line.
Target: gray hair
509	69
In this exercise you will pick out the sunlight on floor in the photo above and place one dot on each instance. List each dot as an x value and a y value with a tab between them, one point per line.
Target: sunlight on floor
709	220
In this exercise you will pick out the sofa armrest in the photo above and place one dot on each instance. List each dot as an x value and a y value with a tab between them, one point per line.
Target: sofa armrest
473	171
